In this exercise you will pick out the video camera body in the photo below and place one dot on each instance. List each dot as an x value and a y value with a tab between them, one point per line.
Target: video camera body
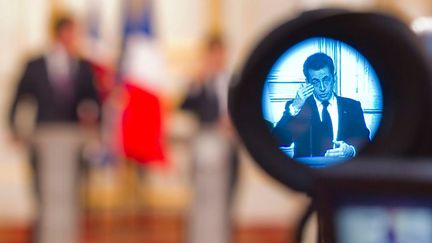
333	97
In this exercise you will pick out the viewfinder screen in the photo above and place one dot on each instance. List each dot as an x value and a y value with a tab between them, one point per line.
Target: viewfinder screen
322	102
385	221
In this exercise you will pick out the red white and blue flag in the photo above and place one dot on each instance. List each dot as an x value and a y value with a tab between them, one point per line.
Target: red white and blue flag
142	73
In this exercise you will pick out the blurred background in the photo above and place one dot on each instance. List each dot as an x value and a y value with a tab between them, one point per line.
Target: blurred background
163	163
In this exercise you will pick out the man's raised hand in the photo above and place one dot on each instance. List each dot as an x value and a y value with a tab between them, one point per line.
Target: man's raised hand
303	93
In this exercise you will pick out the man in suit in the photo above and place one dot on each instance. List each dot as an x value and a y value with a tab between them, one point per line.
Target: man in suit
319	122
61	84
215	150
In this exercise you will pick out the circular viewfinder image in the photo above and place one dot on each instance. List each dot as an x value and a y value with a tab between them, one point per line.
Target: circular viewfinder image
322	101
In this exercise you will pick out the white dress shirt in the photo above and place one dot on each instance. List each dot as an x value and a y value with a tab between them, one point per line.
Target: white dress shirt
59	65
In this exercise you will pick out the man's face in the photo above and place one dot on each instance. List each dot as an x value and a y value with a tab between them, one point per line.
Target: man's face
323	82
67	36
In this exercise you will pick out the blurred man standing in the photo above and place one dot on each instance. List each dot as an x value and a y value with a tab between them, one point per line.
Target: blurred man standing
60	81
215	153
61	84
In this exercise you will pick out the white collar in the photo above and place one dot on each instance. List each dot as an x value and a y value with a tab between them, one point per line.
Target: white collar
58	51
332	101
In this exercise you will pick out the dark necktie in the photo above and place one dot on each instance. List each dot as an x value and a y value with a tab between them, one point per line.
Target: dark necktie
327	127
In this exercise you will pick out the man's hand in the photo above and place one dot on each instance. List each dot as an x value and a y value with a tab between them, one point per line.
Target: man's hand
303	93
341	149
88	113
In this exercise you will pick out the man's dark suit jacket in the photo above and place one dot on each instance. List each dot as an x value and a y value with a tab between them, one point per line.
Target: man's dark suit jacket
204	104
304	129
36	83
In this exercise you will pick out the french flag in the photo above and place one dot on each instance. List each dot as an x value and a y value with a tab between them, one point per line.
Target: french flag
142	75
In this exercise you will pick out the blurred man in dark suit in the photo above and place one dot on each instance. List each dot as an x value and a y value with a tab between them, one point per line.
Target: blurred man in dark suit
215	150
61	84
319	122
60	81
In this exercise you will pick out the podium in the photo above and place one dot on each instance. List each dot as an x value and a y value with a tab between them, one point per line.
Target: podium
313	161
320	161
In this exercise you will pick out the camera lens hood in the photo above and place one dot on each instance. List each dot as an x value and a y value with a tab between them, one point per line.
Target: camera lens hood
392	49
